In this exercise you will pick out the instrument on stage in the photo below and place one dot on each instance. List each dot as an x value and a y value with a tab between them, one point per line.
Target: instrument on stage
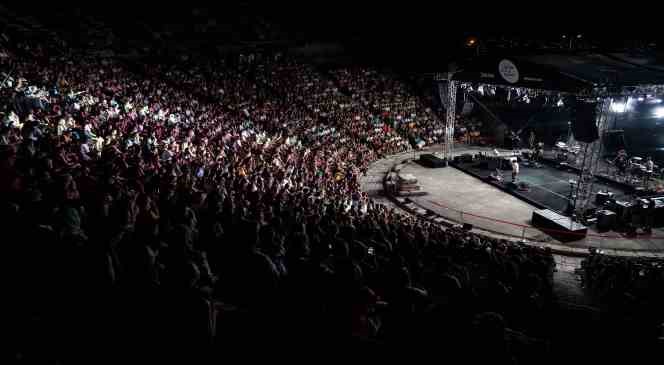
507	154
498	155
638	169
621	162
563	150
497	159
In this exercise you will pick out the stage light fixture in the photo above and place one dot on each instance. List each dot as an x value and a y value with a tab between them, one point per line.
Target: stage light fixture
659	112
618	107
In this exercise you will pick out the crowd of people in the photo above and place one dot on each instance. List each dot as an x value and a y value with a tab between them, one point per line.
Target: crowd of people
391	101
625	283
189	209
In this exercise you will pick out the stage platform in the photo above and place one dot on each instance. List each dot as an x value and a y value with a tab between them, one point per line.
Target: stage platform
548	187
464	198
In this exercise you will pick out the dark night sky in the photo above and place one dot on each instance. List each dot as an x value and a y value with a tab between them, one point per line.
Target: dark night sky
411	30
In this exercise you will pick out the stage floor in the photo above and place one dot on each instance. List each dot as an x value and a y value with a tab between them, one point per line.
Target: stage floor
549	187
450	191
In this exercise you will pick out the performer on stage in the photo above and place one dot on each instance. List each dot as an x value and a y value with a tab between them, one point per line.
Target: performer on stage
622	162
515	140
531	140
539	151
515	169
650	167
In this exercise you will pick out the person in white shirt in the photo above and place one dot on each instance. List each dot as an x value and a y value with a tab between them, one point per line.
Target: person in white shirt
650	165
85	150
62	126
515	169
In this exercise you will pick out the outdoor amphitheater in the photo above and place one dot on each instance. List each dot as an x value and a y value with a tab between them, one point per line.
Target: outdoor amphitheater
204	185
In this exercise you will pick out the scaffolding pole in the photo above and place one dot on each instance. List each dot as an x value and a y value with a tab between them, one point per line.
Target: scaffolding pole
450	118
592	156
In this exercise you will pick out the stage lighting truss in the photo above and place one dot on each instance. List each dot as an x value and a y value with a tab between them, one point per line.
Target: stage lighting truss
641	93
516	94
450	118
590	160
611	100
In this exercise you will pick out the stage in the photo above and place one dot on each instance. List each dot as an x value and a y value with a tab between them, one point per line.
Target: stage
548	187
465	196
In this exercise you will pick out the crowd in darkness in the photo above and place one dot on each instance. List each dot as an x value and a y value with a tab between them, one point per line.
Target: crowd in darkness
625	283
190	209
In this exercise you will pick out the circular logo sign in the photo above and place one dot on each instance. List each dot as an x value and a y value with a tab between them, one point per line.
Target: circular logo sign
508	71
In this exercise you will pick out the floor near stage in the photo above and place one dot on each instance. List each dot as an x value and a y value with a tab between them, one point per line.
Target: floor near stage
462	198
466	198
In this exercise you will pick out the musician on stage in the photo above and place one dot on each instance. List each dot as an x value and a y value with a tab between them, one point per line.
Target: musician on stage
621	162
650	167
531	140
515	140
539	152
515	169
561	151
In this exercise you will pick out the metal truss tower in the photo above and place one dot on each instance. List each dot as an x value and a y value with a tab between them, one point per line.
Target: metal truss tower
590	160
450	118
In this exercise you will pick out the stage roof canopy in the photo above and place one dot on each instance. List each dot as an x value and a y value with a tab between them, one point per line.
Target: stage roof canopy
563	72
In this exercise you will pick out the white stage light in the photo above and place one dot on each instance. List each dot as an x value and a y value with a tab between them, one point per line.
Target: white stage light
659	112
618	107
641	98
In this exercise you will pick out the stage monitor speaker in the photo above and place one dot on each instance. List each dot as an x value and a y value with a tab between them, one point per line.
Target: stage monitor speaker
640	191
602	197
431	161
466	157
606	220
623	211
523	186
584	121
558	226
